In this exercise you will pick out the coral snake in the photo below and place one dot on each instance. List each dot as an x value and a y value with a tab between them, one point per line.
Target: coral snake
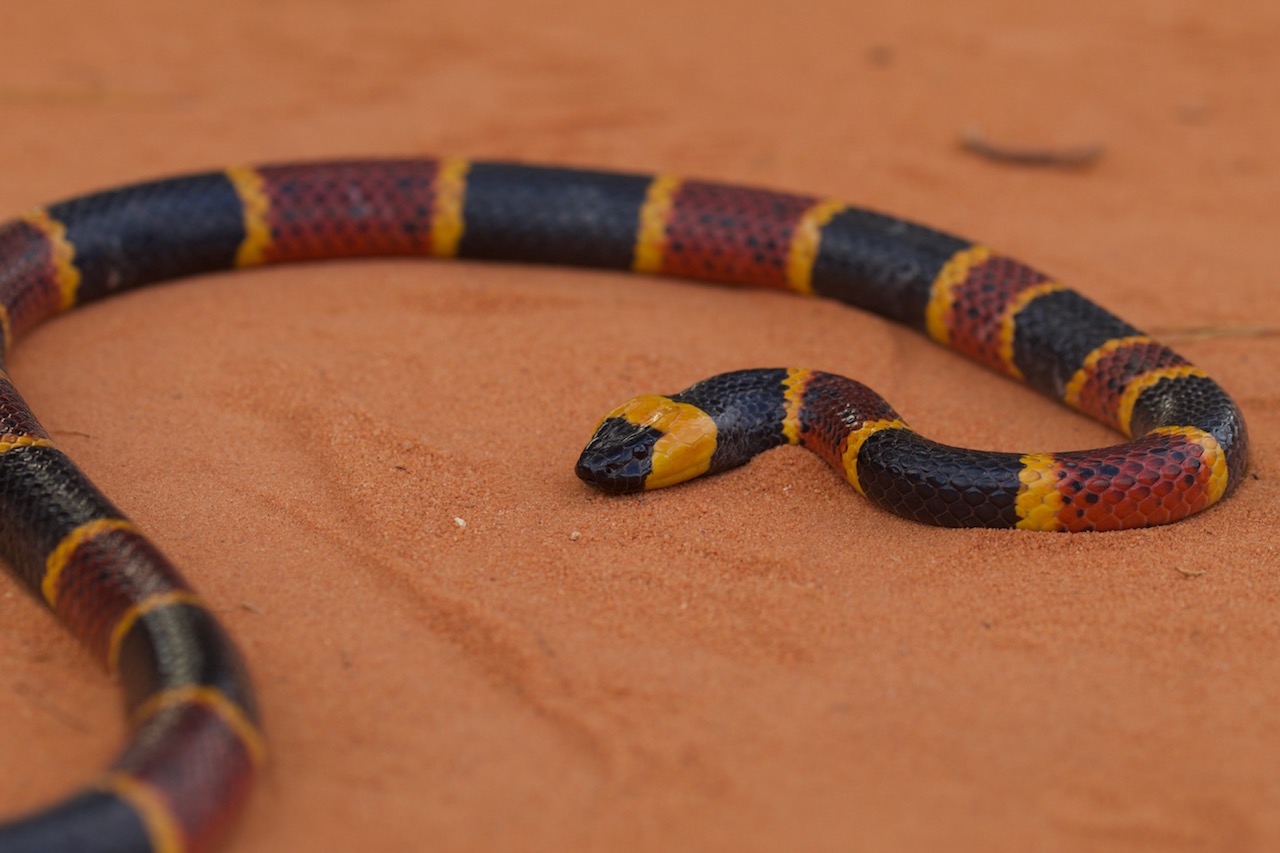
196	743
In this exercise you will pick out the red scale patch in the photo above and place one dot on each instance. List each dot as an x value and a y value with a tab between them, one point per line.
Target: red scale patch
104	577
1101	392
730	234
834	407
350	209
16	418
979	305
28	282
200	763
1154	480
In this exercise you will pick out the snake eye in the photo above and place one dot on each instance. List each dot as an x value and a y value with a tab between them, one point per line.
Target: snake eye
640	453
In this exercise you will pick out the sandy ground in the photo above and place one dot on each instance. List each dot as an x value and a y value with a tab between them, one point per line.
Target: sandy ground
761	661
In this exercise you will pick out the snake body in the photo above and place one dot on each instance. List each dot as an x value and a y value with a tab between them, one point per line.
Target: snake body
196	743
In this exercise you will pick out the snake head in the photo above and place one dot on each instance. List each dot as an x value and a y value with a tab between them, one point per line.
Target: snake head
648	443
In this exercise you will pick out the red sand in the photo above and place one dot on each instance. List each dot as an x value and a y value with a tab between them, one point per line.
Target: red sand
761	661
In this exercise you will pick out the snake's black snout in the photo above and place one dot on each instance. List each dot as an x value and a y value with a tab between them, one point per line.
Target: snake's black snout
619	457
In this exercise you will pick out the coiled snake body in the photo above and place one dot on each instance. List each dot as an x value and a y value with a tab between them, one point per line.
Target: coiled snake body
196	744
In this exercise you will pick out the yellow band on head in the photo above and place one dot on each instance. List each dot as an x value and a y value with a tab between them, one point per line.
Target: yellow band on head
688	438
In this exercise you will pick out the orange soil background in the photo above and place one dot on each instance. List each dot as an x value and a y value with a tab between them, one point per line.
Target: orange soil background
760	661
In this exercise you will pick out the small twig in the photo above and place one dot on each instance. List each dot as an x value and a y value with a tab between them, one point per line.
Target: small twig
1200	333
75	432
1061	158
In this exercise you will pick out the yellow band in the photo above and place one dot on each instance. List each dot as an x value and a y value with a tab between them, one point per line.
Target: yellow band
952	275
651	240
795	384
256	207
853	444
1008	321
1138	384
65	271
9	441
447	223
1039	501
6	328
805	242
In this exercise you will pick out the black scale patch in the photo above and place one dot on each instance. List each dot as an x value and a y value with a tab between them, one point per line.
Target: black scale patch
90	820
551	215
917	478
748	407
43	497
152	232
1195	401
181	645
881	264
1054	334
